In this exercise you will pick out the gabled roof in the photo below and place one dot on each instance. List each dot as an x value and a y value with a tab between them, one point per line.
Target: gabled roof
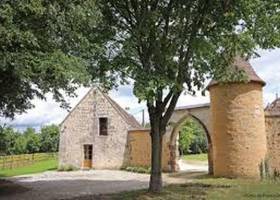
129	119
74	108
273	108
241	64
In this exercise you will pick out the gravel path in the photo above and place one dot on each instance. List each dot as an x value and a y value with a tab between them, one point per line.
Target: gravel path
54	185
196	166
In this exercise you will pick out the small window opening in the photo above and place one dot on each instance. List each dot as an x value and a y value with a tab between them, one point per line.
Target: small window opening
103	126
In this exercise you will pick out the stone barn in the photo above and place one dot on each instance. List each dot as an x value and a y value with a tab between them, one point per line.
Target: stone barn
94	134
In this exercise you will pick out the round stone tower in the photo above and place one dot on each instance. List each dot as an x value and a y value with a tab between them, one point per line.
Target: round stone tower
238	125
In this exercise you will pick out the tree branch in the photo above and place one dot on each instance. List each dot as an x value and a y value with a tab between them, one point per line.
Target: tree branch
170	108
201	14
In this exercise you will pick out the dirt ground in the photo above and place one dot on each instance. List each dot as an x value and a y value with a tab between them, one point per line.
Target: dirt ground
55	185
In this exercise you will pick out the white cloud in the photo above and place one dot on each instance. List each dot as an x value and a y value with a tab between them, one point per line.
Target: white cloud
268	68
47	112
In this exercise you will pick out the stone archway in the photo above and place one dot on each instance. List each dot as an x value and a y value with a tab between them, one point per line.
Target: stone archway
200	113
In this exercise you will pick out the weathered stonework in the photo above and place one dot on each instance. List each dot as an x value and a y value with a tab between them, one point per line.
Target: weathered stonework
81	127
273	143
272	123
139	145
238	127
139	141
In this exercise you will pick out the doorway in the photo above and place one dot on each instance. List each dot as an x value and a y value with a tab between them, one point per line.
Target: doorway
87	163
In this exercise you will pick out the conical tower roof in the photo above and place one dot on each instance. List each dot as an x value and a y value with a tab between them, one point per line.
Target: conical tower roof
241	64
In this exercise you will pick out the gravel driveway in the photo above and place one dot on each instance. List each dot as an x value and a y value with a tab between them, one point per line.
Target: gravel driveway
53	185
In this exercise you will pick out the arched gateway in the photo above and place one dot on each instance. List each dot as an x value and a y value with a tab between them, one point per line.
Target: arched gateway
201	114
234	125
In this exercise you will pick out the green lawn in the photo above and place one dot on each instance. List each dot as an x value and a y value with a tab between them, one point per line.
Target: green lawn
37	167
196	157
207	188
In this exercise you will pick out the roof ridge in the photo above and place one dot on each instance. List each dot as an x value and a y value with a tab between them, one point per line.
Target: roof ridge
80	101
125	115
273	108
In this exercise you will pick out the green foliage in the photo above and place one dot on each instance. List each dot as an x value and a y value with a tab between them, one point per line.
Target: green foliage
186	137
49	138
46	46
175	45
204	187
32	141
13	142
66	168
20	145
138	169
192	138
167	47
8	139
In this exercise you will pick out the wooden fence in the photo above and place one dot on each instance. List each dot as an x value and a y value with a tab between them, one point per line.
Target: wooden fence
14	161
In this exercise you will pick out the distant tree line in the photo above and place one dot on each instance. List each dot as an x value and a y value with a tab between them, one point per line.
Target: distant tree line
13	142
192	138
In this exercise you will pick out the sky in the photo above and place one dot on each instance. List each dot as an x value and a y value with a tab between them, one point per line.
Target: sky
48	112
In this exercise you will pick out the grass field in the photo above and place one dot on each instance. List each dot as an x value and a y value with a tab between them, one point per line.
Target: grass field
37	167
196	157
209	189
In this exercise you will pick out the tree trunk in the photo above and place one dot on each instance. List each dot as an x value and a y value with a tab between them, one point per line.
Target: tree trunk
156	168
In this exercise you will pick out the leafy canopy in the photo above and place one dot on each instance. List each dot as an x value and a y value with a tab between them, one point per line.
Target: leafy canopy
45	46
176	45
14	142
170	46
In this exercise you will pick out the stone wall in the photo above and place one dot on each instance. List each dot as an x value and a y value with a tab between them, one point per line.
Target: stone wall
273	142
238	129
139	145
81	127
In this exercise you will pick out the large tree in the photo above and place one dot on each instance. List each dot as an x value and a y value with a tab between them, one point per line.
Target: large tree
170	46
45	46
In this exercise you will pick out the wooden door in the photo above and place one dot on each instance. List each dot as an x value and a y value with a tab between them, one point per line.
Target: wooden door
87	156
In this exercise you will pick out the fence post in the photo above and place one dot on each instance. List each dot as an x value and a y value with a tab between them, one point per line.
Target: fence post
3	164
11	161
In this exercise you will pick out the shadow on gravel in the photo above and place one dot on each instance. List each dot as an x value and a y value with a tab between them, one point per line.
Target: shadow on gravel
8	188
65	189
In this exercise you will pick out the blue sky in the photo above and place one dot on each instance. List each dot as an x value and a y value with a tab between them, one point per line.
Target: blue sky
48	112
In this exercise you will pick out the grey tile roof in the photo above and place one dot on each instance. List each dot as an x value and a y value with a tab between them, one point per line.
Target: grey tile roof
273	108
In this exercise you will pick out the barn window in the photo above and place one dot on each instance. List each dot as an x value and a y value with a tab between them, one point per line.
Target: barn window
103	126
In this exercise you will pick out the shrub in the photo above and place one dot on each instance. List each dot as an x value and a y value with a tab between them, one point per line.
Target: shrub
67	168
137	169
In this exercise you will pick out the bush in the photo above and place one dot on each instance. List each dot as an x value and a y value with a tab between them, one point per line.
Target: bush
137	169
67	168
